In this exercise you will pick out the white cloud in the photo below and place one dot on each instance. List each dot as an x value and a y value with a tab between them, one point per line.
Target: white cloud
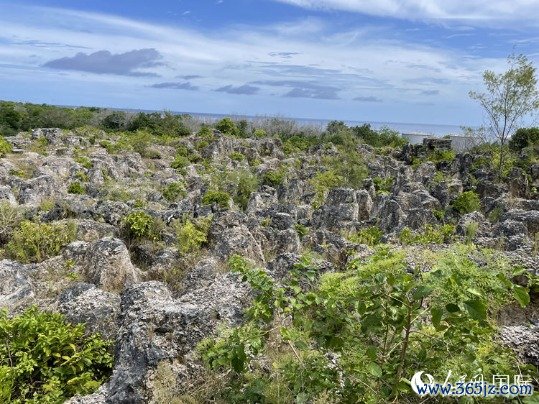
362	62
479	10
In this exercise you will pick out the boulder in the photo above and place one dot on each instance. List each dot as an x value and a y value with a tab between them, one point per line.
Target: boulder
16	290
107	264
96	308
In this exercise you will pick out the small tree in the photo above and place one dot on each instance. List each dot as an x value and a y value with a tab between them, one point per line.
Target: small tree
509	97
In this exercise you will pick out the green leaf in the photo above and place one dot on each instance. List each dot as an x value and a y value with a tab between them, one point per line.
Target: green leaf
436	313
374	369
452	308
474	292
521	295
477	309
422	292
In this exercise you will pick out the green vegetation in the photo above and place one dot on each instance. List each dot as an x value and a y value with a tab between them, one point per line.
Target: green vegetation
228	127
35	242
383	185
139	225
370	236
5	147
173	191
236	156
274	178
192	234
509	97
380	138
353	336
10	218
429	235
322	182
523	138
44	359
219	198
467	202
76	188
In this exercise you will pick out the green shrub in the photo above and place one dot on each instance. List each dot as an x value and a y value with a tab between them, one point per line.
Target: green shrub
441	156
206	133
220	198
236	156
44	359
84	161
370	236
5	147
274	178
467	202
35	242
247	183
173	191
354	335
429	235
10	218
227	126
139	225
379	138
180	162
301	229
192	234
322	182
382	185
524	137
76	188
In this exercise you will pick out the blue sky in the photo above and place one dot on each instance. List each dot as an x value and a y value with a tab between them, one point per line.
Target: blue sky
384	60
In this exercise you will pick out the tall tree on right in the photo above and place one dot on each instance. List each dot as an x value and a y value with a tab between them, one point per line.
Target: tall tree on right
508	98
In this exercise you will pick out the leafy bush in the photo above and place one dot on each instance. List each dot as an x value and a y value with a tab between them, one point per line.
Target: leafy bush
430	235
371	236
44	359
192	235
301	229
274	178
173	191
5	146
76	188
247	183
220	198
10	218
524	137
35	242
227	126
236	156
298	143
84	161
441	156
467	202
184	157
379	138
140	225
322	182
382	185
408	319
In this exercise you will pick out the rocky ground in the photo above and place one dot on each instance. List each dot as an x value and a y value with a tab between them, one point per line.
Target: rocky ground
156	302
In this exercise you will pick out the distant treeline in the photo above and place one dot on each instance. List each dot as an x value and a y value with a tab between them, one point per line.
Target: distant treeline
17	117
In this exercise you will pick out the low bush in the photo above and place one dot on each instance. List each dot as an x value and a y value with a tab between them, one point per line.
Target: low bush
227	126
5	146
429	235
355	336
139	225
236	156
383	185
274	178
247	183
370	236
173	191
322	182
76	188
84	161
193	234
10	218
220	198
467	202
524	137
35	242
45	359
